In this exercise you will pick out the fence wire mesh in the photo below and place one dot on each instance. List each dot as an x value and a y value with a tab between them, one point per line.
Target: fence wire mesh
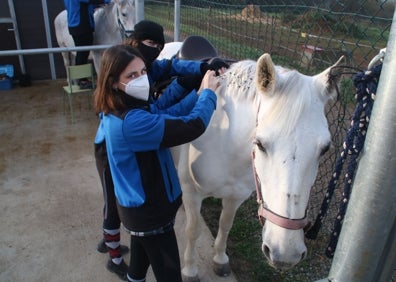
306	35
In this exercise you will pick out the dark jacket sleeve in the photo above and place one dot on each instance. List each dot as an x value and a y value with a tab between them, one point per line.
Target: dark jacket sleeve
180	131
175	101
145	131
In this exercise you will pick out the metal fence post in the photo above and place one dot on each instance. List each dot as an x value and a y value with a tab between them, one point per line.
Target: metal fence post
177	21
366	250
48	37
139	10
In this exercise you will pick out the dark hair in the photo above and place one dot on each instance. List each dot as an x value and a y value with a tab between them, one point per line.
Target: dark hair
114	60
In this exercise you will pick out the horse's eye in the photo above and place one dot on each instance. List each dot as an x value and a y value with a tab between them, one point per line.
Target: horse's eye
259	145
124	15
325	149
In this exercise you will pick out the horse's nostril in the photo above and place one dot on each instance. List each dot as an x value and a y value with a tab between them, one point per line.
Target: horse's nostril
266	251
304	254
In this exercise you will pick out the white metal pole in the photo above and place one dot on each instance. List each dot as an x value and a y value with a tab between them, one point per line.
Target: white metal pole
16	33
139	10
48	36
177	21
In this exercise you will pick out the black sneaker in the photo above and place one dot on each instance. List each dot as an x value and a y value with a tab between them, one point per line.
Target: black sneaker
120	269
102	248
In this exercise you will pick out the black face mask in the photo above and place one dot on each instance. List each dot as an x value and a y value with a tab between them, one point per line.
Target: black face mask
149	53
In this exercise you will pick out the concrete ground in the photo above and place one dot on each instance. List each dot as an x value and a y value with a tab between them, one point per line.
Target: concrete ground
50	194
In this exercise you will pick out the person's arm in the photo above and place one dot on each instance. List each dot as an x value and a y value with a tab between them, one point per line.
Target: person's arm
184	106
177	67
96	2
180	96
147	131
186	67
186	129
175	92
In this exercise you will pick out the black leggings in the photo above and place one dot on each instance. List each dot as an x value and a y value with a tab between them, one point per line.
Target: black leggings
161	252
111	220
85	39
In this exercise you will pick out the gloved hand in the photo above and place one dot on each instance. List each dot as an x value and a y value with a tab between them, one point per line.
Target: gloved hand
190	82
214	64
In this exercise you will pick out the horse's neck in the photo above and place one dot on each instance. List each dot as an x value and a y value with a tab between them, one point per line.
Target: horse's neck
106	26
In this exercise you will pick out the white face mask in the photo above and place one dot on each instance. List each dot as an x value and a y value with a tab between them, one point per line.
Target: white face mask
138	88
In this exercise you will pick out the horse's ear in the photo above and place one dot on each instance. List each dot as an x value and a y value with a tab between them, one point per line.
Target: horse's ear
265	74
331	77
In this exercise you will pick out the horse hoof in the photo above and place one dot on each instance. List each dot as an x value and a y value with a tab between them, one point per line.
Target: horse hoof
222	270
190	279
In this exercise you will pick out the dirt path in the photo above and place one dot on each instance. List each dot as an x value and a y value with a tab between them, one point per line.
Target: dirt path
50	195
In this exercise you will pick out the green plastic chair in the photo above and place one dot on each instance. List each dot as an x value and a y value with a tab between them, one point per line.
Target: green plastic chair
74	73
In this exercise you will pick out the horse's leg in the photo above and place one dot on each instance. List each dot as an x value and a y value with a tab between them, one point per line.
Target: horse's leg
69	59
66	59
220	260
192	202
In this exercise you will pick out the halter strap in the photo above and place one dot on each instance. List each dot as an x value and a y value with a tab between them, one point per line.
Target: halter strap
124	33
266	214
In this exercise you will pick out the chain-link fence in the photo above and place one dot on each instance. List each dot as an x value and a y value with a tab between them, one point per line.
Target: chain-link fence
301	34
305	35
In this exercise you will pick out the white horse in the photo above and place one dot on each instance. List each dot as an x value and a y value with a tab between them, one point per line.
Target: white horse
269	123
113	23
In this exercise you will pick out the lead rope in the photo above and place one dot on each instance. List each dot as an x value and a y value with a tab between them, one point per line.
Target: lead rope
366	87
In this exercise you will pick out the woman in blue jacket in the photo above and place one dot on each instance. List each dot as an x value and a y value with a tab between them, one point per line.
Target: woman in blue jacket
138	136
148	38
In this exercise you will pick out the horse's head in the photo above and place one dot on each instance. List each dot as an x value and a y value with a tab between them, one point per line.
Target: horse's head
291	135
126	16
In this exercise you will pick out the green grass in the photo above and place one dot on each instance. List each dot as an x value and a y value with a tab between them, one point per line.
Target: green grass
244	245
244	248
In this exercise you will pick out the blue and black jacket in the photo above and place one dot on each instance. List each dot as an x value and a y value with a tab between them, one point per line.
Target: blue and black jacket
145	179
157	70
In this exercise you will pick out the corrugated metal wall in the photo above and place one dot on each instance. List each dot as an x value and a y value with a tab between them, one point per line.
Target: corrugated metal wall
30	20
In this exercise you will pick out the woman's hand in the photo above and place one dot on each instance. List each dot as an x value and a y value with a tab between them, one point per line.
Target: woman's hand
221	70
210	81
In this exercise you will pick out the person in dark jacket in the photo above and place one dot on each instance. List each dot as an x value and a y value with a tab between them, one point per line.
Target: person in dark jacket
138	135
148	38
81	25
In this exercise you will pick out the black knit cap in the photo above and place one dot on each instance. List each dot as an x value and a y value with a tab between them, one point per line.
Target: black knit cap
149	30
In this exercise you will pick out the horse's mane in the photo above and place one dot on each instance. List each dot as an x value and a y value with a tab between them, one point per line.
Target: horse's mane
239	80
288	98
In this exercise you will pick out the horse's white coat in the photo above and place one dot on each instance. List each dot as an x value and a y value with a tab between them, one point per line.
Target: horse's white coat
107	29
283	111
